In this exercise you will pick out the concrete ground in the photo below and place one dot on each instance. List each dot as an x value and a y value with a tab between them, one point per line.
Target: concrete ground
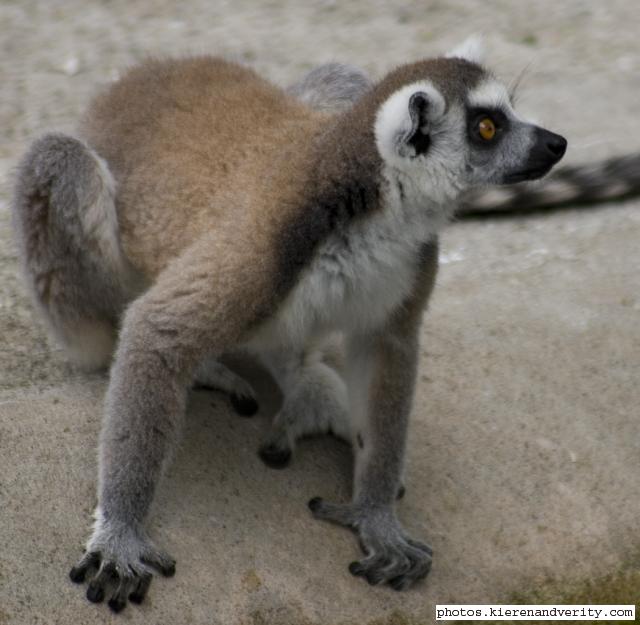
525	444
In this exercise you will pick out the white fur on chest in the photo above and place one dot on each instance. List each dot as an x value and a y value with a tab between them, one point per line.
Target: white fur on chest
360	275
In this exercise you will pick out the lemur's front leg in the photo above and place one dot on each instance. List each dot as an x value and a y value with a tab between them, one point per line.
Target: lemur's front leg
190	312
381	369
143	414
385	366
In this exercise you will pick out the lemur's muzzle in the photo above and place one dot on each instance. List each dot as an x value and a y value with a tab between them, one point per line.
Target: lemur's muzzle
547	150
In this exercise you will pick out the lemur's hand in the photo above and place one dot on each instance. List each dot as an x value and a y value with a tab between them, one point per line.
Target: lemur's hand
125	559
391	556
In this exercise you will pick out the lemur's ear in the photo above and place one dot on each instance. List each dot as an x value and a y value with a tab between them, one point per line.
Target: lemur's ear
471	49
404	121
417	139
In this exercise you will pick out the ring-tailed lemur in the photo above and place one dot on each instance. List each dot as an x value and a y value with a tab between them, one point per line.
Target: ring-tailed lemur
205	210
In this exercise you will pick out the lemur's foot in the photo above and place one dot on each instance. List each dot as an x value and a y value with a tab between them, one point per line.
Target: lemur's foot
125	562
214	375
244	404
275	455
315	402
391	556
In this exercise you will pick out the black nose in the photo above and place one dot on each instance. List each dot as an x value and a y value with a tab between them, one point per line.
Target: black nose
557	145
554	145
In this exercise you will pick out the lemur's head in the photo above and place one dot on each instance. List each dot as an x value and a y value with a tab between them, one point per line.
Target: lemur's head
449	124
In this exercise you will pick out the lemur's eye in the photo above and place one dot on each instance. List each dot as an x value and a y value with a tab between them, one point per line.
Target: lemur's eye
487	128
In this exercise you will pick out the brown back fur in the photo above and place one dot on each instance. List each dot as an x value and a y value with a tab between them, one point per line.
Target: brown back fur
191	144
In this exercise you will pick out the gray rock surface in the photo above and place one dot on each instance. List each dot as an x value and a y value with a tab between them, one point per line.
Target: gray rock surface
525	443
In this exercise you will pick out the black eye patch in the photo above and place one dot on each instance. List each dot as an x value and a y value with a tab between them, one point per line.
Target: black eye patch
475	115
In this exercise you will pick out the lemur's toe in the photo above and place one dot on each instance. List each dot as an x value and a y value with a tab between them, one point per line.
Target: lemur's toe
161	562
342	514
400	583
356	569
140	591
98	585
416	544
401	492
95	592
78	573
116	604
370	568
244	405
274	456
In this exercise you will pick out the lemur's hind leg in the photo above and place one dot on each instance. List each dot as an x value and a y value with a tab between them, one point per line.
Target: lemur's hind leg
214	375
315	401
332	87
67	233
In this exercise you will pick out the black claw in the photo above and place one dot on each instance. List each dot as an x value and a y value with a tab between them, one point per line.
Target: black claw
95	593
314	504
168	570
77	574
355	568
398	583
275	457
244	405
401	491
138	595
116	604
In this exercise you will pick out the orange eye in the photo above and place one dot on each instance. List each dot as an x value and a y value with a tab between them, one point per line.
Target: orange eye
487	129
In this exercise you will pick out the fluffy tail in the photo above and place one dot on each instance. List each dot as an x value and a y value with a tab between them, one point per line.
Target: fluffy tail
67	233
611	179
331	88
